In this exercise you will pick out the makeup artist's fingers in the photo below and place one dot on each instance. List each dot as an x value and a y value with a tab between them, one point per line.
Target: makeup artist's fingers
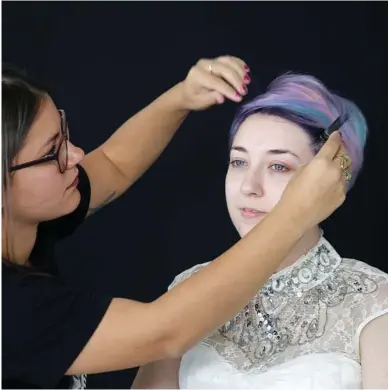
317	189
238	65
228	69
332	147
211	81
218	84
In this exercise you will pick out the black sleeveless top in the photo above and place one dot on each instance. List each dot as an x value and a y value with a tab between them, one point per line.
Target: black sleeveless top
45	323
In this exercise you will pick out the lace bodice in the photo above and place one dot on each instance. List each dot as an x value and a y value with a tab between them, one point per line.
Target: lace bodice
318	305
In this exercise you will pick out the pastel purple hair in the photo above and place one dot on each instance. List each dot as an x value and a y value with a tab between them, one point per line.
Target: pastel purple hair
305	101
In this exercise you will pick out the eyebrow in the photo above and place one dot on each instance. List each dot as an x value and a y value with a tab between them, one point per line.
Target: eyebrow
271	151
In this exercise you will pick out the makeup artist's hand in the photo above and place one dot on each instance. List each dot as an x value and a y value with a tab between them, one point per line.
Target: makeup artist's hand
318	188
211	81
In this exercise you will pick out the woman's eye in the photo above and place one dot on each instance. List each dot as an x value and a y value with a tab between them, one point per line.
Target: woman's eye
237	163
279	168
51	151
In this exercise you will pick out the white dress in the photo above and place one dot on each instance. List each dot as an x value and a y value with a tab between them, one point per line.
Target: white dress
301	331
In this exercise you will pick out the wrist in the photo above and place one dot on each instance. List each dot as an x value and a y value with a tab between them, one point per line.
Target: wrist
178	98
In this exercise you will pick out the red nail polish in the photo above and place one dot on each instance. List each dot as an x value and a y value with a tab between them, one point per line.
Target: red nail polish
247	78
238	95
245	89
246	67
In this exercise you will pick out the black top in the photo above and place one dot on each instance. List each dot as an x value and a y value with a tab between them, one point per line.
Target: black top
45	323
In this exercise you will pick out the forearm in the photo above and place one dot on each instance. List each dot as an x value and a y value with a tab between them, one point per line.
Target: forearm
204	302
119	162
162	374
143	137
133	333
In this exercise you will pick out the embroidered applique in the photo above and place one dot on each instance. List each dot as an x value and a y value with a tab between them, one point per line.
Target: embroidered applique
79	382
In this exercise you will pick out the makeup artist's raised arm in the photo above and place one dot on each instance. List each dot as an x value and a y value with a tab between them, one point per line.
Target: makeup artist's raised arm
118	163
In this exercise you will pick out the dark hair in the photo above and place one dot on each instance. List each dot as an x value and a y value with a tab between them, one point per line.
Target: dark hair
21	101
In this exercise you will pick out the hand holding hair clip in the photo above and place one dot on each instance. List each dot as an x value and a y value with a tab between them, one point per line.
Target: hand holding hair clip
336	125
346	161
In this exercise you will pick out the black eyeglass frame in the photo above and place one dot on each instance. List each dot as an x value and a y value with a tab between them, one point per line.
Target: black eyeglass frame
53	156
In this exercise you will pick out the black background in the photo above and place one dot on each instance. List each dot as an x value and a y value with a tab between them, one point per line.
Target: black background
105	61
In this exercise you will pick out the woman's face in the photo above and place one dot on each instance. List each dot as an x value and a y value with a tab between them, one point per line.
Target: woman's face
266	152
40	192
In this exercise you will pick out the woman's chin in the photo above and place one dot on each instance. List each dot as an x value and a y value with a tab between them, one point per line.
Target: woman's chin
71	202
244	229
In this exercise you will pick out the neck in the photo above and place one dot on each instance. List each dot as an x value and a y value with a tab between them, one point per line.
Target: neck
308	241
18	240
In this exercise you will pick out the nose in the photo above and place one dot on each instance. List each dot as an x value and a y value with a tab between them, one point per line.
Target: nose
252	184
75	155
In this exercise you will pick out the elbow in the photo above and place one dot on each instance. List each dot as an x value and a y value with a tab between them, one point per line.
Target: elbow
173	345
177	342
176	335
173	340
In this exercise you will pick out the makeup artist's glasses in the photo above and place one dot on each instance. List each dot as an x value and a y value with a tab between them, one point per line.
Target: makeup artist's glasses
60	155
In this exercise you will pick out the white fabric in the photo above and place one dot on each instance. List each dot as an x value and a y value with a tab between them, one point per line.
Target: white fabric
203	368
300	331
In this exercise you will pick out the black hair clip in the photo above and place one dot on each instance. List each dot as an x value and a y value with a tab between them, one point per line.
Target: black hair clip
336	125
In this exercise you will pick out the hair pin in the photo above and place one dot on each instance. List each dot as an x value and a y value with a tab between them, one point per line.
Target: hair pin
336	125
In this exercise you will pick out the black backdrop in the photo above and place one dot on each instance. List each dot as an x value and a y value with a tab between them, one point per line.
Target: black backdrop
106	60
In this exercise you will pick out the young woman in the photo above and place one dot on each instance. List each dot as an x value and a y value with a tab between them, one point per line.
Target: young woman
320	321
53	334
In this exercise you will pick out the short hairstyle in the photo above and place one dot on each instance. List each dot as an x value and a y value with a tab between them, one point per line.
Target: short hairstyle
305	101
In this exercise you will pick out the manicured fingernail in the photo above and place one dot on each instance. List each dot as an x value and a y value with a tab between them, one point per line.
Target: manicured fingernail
246	67
245	89
238	95
247	79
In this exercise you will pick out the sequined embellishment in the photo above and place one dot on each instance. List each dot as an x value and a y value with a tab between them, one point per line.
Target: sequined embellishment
291	308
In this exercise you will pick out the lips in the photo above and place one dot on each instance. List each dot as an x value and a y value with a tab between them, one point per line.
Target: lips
250	213
75	181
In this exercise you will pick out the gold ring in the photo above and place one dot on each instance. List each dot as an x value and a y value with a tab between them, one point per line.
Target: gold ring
346	161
